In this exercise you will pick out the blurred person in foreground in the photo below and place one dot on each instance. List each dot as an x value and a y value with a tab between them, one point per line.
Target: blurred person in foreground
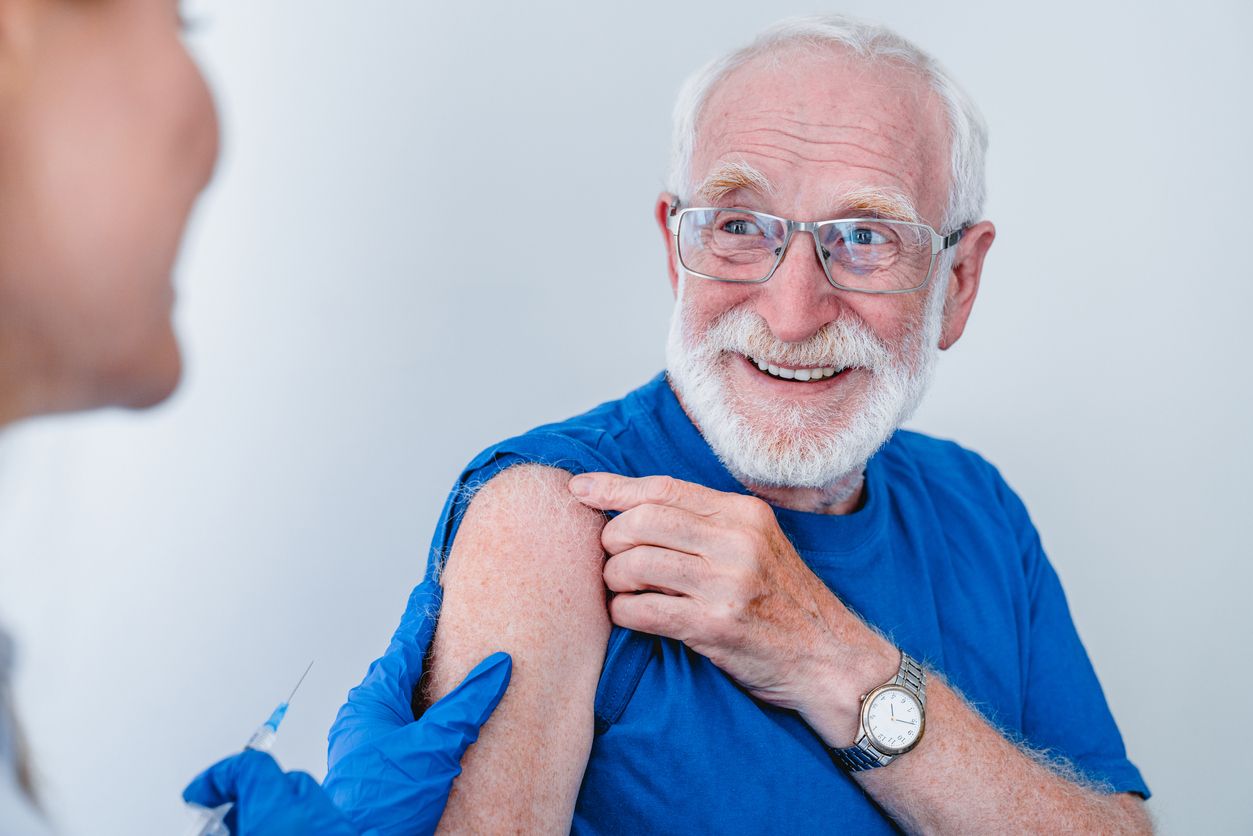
741	599
107	135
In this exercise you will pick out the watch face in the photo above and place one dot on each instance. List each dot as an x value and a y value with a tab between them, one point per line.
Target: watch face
893	719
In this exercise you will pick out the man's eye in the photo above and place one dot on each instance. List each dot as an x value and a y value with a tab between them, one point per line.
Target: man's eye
741	226
866	237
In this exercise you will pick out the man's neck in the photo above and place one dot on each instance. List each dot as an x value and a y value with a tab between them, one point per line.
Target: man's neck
843	497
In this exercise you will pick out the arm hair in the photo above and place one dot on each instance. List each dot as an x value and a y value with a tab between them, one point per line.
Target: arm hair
525	576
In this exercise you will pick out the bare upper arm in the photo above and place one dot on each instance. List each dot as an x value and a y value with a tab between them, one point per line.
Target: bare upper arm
1141	821
524	576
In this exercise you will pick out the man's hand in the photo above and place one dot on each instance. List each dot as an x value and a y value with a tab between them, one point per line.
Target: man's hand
714	571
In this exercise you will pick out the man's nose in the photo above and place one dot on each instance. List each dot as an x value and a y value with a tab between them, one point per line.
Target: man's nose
798	300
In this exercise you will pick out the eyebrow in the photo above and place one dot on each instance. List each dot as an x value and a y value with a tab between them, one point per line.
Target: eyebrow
875	202
888	203
731	176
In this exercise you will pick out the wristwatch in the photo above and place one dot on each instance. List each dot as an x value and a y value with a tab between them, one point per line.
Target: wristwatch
893	718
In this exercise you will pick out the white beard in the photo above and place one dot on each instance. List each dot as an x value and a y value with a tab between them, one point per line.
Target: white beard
785	444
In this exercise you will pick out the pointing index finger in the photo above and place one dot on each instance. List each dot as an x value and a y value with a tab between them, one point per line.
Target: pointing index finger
612	492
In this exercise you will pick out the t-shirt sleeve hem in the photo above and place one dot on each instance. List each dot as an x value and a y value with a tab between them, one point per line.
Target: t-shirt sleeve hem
1117	777
534	448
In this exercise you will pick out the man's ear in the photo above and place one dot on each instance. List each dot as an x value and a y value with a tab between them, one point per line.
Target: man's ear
963	282
665	204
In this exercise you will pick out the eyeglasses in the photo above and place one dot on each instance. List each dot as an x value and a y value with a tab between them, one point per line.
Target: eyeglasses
868	255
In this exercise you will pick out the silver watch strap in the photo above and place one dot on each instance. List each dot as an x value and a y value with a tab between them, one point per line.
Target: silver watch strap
863	755
912	676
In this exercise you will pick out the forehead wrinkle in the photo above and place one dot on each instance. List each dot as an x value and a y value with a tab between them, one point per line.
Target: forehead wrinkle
812	122
882	125
882	138
879	151
896	131
792	154
879	142
787	155
823	122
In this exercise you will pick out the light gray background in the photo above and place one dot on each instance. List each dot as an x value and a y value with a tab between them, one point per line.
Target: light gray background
354	336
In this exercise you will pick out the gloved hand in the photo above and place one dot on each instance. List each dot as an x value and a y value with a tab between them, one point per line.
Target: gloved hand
388	773
267	800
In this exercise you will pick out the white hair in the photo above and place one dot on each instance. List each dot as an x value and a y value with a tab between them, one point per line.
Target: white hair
968	133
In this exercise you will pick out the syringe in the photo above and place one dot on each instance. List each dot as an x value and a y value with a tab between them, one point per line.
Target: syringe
211	821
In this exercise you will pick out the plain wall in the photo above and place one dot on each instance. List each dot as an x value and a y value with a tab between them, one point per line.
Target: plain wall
431	228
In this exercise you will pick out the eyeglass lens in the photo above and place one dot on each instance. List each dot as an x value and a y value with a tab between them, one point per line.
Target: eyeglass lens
741	246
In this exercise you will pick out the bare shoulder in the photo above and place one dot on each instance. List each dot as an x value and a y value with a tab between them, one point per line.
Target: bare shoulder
525	522
525	576
524	571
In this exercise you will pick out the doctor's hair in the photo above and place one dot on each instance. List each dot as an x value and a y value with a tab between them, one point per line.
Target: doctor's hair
968	133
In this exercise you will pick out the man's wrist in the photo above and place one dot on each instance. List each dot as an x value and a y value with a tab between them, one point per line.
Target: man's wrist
845	675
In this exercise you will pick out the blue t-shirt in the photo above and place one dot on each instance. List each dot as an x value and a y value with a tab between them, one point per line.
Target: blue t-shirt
941	557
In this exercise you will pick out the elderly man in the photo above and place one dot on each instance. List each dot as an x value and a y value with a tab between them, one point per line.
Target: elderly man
792	617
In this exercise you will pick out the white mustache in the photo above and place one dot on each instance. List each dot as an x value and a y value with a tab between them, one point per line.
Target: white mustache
844	343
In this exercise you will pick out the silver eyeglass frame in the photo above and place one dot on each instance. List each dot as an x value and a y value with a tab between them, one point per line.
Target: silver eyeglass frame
939	243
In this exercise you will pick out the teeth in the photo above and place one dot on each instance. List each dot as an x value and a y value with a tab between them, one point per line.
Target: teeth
795	374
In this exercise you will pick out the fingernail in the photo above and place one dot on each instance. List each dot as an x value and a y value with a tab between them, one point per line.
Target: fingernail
581	485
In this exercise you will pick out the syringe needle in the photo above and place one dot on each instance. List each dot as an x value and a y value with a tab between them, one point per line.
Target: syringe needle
211	822
298	681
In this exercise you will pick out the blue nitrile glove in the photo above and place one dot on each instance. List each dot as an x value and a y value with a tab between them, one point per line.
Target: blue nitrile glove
388	773
268	801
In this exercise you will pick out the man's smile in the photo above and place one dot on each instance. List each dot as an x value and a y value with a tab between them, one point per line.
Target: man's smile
810	375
